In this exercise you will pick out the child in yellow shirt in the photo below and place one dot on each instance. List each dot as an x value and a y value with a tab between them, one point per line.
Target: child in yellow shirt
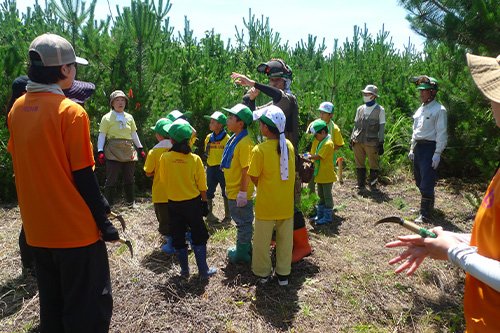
239	188
214	147
183	174
272	170
324	173
159	196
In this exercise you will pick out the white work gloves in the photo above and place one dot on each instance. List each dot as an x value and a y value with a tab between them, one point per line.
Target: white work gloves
411	156
241	199
435	160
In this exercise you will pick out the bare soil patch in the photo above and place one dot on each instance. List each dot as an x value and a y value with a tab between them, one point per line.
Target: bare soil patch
346	285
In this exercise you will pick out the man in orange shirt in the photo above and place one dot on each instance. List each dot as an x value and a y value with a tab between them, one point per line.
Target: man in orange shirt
478	254
63	212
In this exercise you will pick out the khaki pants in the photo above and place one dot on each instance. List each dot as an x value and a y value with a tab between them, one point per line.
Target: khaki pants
261	258
361	151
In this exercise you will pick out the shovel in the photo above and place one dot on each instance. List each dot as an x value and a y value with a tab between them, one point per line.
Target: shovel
408	225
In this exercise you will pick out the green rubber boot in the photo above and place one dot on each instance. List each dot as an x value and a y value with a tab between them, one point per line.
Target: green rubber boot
240	254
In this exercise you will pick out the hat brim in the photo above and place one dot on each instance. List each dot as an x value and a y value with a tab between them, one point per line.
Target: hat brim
81	61
369	92
485	72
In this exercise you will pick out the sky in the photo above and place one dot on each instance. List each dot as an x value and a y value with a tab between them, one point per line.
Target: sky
293	19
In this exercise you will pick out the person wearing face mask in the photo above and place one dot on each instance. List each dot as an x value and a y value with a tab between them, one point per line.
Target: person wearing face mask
428	141
115	145
280	79
367	138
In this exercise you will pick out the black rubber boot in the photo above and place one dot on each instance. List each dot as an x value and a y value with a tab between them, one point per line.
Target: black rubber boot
373	180
426	204
361	176
129	195
109	194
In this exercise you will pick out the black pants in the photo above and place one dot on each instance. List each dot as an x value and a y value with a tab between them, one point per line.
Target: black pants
115	168
75	289
27	258
161	212
183	214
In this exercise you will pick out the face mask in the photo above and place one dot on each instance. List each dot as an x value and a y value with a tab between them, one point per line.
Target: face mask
367	99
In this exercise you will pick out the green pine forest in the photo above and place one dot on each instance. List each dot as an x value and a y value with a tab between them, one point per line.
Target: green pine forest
138	51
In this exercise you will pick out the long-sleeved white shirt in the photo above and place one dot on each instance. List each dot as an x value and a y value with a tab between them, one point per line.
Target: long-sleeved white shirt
430	123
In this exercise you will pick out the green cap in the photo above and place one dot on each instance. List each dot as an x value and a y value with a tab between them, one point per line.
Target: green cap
218	116
317	126
243	112
425	82
180	130
158	127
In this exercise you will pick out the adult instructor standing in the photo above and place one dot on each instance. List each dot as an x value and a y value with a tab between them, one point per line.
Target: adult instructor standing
428	141
63	212
280	79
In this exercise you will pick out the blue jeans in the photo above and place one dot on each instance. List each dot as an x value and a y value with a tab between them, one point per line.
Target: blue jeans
243	216
425	175
215	176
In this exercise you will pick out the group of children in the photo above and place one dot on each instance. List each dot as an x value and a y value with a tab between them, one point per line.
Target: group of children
183	191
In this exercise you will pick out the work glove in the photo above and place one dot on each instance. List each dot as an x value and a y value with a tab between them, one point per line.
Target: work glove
101	158
204	208
241	199
142	153
411	156
108	231
435	160
381	148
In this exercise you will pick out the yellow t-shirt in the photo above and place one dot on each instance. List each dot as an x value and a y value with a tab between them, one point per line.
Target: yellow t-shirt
152	165
50	139
241	160
274	200
111	127
332	128
216	150
326	173
183	175
481	302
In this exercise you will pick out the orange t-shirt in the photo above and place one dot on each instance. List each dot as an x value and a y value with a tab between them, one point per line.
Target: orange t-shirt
49	139
481	302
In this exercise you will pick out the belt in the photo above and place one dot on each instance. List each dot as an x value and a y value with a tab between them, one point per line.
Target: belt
425	141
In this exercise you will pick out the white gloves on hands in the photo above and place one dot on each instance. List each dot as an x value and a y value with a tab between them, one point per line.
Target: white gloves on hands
435	160
411	156
241	199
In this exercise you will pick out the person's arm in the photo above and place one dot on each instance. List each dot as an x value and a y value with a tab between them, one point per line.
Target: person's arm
244	179
136	140
101	139
418	248
255	180
275	93
87	186
441	131
482	268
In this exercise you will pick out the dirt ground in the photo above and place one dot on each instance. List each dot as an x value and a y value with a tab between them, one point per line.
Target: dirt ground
346	285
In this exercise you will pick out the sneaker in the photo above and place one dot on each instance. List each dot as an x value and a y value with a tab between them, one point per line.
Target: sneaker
282	280
264	280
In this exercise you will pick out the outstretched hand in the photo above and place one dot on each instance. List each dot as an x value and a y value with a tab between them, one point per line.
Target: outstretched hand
418	248
242	80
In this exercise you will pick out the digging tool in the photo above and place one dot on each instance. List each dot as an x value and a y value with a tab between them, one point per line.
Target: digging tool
119	218
129	245
408	225
340	165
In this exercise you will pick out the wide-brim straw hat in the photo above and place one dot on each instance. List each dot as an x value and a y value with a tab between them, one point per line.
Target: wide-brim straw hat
486	74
